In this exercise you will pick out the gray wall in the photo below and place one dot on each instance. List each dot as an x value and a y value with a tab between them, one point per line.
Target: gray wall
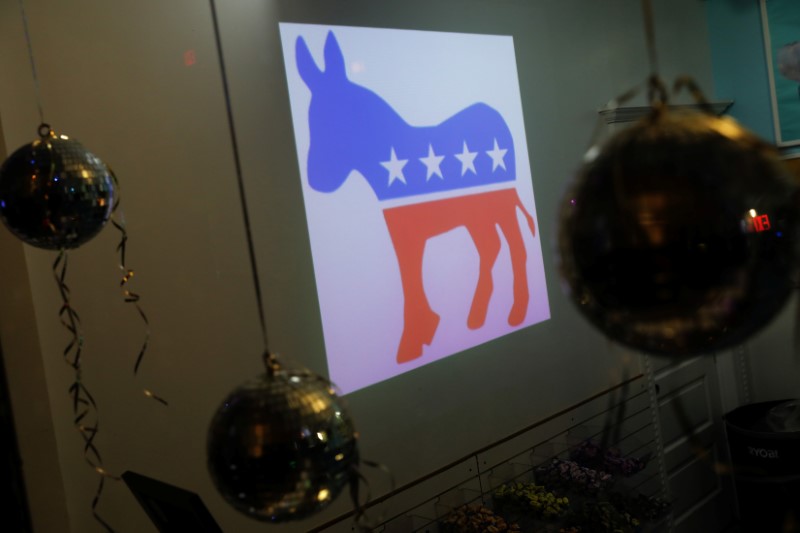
112	75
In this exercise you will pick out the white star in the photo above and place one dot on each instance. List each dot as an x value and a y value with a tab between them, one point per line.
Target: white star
497	156
395	168
432	163
467	159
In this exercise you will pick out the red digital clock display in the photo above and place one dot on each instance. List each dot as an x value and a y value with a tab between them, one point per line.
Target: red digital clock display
759	223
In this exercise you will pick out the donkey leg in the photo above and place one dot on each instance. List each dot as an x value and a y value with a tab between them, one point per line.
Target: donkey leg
419	320
487	242
519	257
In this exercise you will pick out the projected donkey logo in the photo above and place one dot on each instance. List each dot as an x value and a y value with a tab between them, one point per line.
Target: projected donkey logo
352	128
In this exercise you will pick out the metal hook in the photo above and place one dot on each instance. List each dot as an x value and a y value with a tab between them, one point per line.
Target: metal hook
271	363
45	130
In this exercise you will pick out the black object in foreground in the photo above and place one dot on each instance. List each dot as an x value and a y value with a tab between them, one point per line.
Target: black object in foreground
172	509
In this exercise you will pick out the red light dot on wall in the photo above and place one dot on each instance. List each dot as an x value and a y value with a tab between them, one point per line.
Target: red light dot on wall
189	58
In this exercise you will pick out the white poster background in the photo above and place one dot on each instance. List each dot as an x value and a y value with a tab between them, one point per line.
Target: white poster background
426	77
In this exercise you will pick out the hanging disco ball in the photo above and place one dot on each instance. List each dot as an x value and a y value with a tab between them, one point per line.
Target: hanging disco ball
54	193
282	447
680	236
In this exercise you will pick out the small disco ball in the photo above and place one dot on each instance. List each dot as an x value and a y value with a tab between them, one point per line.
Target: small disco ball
282	447
679	236
54	193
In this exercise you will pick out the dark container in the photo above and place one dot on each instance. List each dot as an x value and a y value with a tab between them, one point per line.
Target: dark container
766	466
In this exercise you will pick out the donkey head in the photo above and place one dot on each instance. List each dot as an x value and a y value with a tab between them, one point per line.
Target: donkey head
345	120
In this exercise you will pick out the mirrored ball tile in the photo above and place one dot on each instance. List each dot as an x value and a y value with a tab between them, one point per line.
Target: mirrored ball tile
55	194
680	235
281	447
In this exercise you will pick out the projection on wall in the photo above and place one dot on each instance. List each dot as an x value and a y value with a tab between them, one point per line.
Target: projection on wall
418	194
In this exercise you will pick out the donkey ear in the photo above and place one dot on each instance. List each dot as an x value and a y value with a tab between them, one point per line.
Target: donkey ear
334	60
306	66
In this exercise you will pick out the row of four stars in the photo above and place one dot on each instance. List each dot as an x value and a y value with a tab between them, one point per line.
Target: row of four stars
433	162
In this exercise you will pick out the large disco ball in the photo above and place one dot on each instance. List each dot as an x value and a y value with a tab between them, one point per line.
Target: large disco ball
54	193
680	236
282	447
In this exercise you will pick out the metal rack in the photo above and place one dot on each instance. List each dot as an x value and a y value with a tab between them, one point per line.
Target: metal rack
621	417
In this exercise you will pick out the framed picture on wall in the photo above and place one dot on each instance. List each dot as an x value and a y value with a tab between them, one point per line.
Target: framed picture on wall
781	21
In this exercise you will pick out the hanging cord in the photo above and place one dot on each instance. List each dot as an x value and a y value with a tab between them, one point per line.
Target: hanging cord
36	88
657	94
650	36
270	360
130	297
656	91
84	407
240	181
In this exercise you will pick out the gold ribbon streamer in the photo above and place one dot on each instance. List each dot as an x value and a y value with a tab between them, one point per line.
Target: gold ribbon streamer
129	296
361	522
84	407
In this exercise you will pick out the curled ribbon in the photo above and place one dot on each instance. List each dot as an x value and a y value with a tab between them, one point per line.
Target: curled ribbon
128	295
84	407
361	522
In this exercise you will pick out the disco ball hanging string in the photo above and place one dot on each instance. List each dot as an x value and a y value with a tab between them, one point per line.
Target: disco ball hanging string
282	445
679	234
57	195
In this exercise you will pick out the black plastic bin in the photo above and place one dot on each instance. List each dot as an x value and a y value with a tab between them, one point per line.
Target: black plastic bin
766	469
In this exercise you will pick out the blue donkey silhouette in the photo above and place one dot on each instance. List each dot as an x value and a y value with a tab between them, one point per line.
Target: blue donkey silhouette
352	128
